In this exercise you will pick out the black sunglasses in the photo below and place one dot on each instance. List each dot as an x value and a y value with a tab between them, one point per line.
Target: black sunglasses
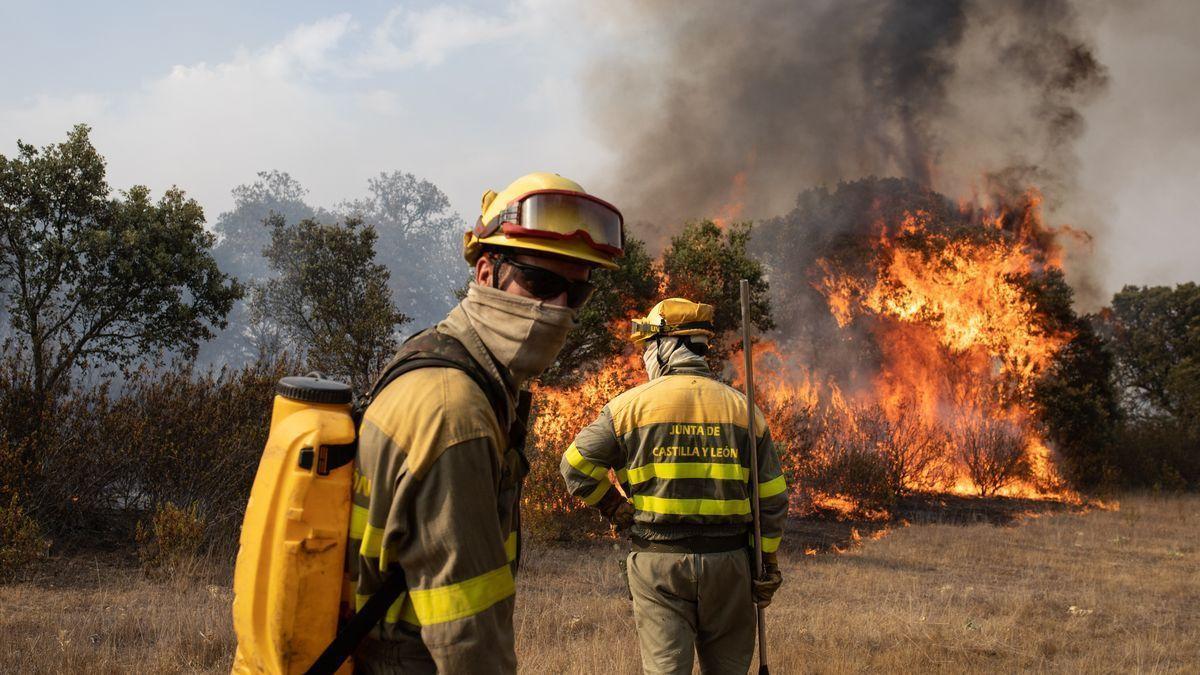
543	284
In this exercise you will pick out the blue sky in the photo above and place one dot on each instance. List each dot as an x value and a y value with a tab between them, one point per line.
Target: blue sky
204	95
471	94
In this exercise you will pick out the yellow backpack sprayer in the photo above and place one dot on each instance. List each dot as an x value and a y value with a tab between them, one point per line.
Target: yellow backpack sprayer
290	574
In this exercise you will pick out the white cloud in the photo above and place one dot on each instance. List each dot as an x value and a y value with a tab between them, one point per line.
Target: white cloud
425	37
44	118
381	102
333	106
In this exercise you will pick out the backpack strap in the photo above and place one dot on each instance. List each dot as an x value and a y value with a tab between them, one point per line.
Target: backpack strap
432	349
428	349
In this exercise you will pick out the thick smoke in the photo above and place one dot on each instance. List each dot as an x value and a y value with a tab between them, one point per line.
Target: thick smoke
796	93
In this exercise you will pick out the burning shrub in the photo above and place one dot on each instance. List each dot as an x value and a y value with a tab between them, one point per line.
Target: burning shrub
993	453
851	466
548	510
913	450
796	428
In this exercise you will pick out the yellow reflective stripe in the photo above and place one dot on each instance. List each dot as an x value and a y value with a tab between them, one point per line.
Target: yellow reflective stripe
771	544
466	598
510	546
776	485
401	609
372	542
689	507
358	521
576	459
623	476
713	470
597	494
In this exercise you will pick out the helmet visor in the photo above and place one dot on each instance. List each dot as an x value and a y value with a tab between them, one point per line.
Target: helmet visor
563	215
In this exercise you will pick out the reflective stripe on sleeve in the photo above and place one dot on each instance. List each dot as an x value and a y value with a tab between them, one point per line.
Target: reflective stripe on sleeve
372	542
510	546
594	497
401	609
577	460
466	598
688	507
715	471
451	602
358	521
776	485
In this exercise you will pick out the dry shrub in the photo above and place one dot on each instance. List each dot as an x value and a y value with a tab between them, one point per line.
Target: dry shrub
171	543
21	540
913	450
850	462
107	455
796	428
993	453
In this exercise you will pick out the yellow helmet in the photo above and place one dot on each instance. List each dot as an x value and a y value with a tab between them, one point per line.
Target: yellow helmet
674	316
546	213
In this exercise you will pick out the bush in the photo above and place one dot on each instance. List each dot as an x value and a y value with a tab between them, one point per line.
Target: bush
992	452
107	456
1159	454
170	544
21	540
913	452
851	463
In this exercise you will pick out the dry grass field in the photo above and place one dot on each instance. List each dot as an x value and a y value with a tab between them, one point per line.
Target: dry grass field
1100	591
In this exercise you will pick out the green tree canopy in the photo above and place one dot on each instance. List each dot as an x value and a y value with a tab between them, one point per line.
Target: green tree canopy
329	297
95	279
1156	339
629	290
706	263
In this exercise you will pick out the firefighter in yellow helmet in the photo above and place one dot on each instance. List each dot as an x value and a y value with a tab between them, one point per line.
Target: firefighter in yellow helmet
440	458
680	450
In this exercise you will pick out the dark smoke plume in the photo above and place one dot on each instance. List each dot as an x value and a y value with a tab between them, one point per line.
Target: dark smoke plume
796	93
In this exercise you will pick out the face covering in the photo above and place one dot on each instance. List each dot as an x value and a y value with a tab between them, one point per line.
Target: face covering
666	354
525	335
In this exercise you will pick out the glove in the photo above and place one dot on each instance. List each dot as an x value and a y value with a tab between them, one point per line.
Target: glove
764	587
617	510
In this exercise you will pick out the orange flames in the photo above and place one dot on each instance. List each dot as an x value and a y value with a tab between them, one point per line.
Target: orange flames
958	347
733	207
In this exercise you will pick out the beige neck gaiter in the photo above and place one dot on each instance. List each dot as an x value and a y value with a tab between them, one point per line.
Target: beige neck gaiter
523	334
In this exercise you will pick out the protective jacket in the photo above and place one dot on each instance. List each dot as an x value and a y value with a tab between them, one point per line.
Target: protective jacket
679	446
436	495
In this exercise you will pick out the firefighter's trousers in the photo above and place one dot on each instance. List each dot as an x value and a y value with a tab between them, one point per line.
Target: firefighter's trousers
693	602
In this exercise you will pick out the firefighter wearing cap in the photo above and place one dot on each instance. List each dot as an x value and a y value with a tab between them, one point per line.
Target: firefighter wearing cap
679	448
440	460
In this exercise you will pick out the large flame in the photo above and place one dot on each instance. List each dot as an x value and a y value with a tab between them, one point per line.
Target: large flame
959	346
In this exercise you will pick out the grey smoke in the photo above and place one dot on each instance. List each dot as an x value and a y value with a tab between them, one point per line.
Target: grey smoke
803	93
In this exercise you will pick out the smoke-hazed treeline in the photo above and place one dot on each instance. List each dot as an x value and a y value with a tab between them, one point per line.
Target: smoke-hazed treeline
768	98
